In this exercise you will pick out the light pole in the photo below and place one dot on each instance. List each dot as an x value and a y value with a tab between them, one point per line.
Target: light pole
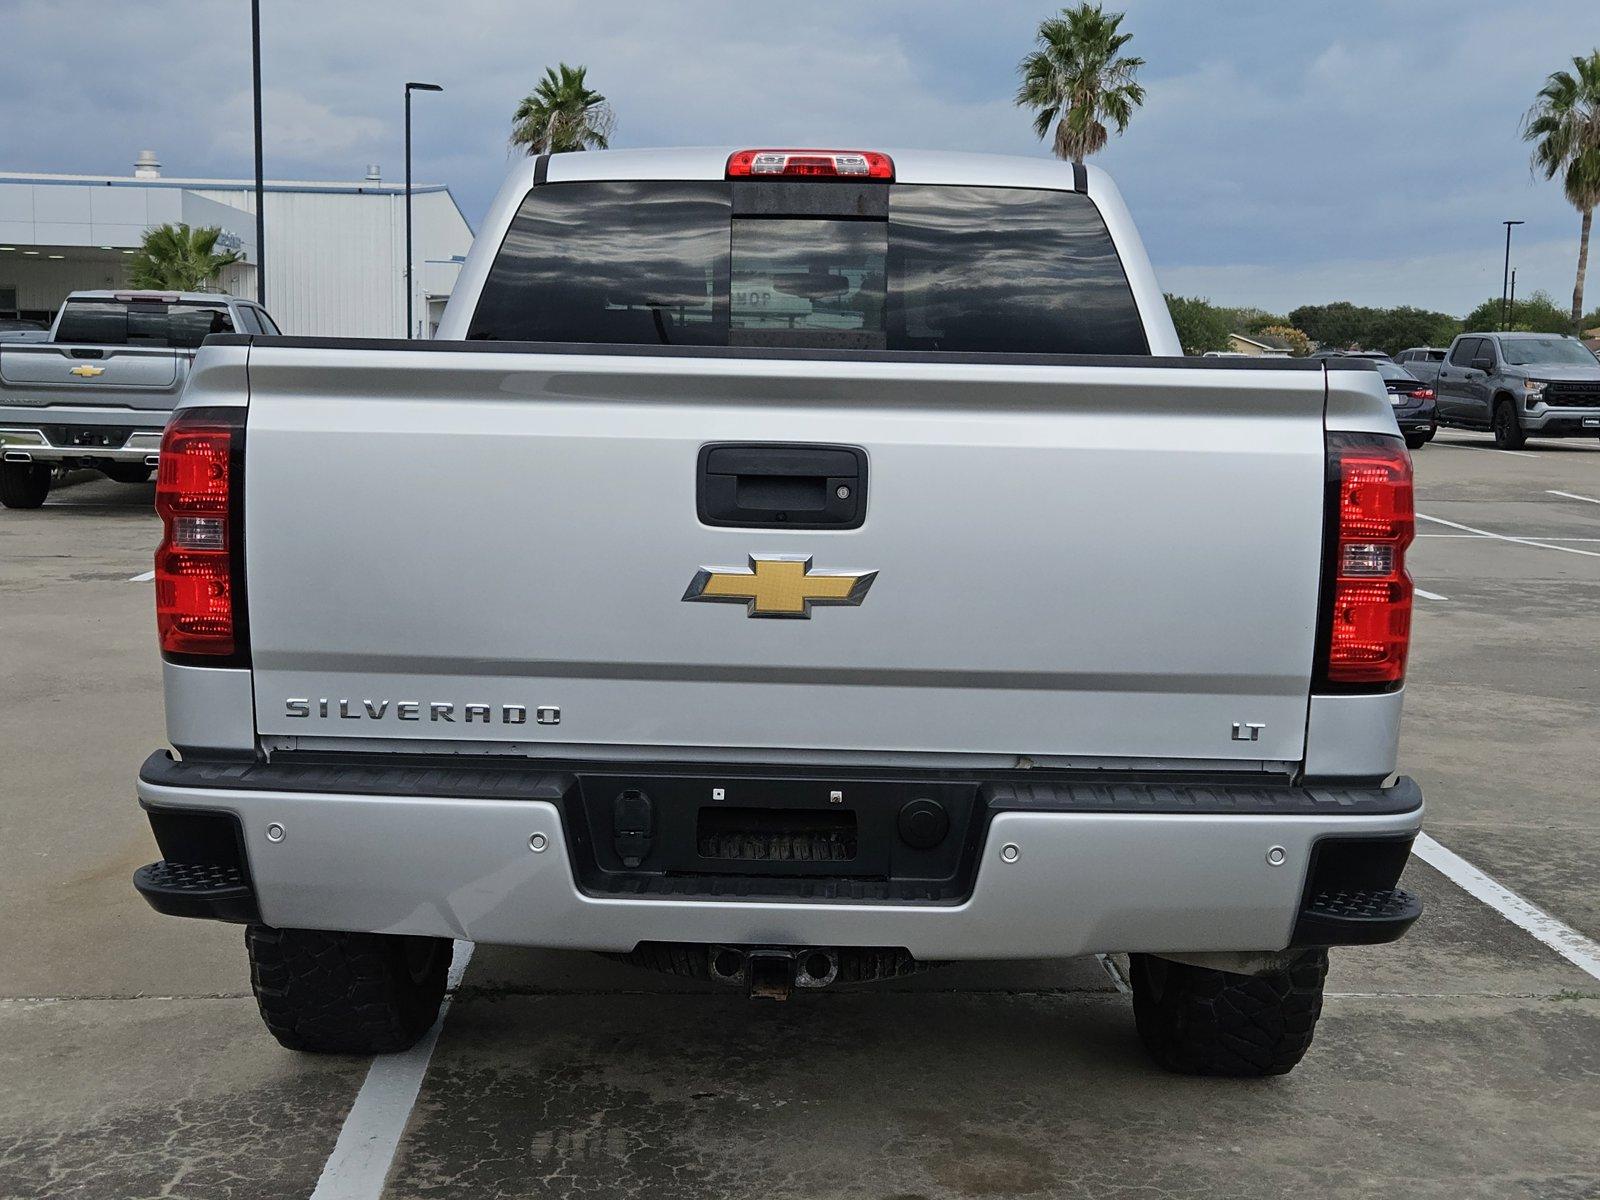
411	87
1505	275
261	188
1511	310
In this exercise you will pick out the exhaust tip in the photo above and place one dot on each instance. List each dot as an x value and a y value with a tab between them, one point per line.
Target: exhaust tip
727	965
816	968
18	456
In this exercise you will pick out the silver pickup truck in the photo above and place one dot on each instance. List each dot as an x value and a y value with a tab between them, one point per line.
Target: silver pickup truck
788	568
97	392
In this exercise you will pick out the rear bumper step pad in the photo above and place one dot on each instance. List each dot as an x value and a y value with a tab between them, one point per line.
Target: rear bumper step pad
1361	917
209	890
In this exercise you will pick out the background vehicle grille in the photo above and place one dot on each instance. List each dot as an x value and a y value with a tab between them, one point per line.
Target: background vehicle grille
1573	393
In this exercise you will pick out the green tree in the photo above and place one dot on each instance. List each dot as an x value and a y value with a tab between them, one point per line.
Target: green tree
562	113
176	258
1201	325
1537	312
1078	79
1564	126
1340	324
1393	329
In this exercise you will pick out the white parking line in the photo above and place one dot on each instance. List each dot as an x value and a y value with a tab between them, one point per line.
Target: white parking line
1427	595
1578	950
1474	446
145	578
1477	537
1571	496
1502	537
1111	968
371	1133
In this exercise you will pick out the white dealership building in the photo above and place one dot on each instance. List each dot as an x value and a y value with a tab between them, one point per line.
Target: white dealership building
335	252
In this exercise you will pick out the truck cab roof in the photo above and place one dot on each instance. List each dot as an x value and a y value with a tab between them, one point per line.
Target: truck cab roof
157	295
910	166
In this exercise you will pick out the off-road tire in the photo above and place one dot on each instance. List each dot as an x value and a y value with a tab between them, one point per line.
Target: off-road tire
24	485
1197	1021
346	993
126	472
1508	433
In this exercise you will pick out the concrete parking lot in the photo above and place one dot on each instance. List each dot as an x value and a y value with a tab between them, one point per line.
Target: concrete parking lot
1462	1061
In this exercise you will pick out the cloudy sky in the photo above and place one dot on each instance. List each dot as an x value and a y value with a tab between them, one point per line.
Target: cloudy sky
1286	153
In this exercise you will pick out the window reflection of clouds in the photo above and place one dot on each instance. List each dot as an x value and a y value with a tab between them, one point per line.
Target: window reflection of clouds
624	262
1007	270
970	269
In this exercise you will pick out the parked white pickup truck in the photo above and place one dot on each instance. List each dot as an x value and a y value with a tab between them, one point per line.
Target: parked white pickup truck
788	568
98	390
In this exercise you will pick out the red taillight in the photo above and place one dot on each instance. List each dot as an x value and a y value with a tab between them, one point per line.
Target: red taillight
810	164
1422	394
1368	623
199	598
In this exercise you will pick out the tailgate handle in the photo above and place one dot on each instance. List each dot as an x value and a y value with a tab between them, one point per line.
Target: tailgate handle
87	352
779	485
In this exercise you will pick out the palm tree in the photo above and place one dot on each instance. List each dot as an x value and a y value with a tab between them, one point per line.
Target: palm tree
1076	80
561	114
1564	125
175	258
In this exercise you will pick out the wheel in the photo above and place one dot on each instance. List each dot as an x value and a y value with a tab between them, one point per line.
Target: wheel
1417	441
1202	1022
346	993
24	485
1508	433
127	472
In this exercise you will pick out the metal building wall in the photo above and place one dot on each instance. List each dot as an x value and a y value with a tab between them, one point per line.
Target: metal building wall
335	260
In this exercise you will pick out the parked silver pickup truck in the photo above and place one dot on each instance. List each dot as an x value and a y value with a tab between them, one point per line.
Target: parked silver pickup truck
98	391
789	568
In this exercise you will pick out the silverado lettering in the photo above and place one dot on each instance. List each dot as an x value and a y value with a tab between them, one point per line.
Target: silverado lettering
410	710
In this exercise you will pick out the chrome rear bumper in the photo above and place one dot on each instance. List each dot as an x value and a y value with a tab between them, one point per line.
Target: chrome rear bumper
22	444
1047	884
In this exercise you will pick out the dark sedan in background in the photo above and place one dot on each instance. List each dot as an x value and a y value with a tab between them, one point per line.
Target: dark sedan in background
1413	402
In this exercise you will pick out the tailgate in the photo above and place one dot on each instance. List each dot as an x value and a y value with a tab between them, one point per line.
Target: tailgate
125	376
1062	562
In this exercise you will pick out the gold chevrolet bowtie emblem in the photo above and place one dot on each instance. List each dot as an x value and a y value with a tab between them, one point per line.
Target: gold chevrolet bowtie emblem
86	371
779	586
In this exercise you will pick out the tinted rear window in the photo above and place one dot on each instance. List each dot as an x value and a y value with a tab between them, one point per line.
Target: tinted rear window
956	269
141	323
